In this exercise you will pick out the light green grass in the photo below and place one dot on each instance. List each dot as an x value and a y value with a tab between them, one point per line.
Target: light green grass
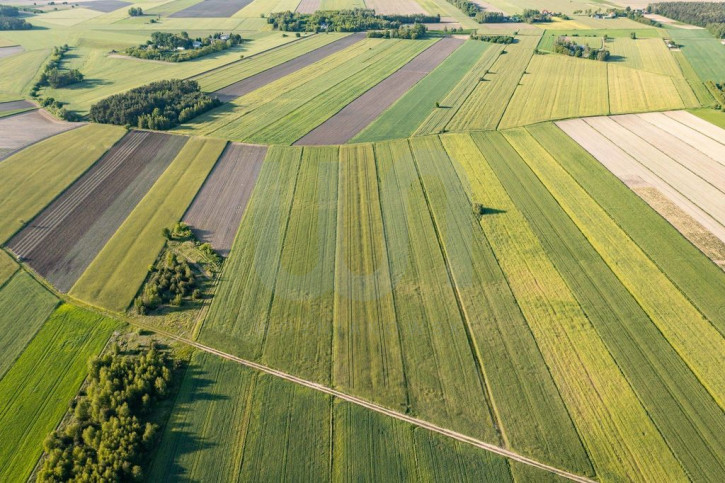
632	90
25	306
7	267
24	67
35	393
32	178
259	7
403	118
168	8
688	418
698	87
114	276
705	53
341	4
593	37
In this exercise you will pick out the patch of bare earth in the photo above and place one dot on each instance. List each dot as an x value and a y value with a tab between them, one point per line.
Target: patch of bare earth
24	129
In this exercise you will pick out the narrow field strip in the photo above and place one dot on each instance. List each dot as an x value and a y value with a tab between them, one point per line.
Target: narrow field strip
259	7
299	329
516	374
401	119
615	428
8	267
367	357
115	275
26	305
685	414
34	177
62	241
395	7
217	209
697	342
237	318
358	114
212	9
714	147
261	79
34	394
700	125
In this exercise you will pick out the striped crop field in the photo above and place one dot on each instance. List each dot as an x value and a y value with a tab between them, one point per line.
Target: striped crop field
32	178
115	275
632	90
35	392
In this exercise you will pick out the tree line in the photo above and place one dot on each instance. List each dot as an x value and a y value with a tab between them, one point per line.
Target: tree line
159	105
172	47
494	39
9	19
564	45
703	14
416	31
109	431
356	20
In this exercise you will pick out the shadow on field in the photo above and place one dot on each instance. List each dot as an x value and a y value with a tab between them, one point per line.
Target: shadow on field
87	84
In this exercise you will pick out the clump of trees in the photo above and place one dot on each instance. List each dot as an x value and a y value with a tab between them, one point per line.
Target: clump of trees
710	15
494	39
417	31
54	75
135	11
566	46
109	430
9	19
173	47
356	20
159	105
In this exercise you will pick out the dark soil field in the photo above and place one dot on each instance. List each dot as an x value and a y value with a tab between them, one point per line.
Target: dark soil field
105	6
217	209
65	238
212	9
352	119
256	81
22	130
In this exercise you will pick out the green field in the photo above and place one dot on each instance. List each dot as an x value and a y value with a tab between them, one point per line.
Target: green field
115	275
35	392
7	267
32	178
706	54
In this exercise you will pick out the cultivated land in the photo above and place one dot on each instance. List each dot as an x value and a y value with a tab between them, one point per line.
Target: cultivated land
217	209
63	240
25	129
212	8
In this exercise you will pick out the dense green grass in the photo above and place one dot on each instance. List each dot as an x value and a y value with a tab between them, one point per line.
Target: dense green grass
32	178
705	53
7	267
403	118
113	278
35	393
688	418
25	306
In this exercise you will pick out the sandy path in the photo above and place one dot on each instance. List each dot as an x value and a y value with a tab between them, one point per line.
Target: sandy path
357	115
699	141
703	166
627	169
217	210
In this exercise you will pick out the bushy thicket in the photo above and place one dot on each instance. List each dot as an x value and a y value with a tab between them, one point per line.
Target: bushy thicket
494	39
53	75
417	31
9	19
356	20
565	46
109	431
159	105
695	13
166	46
135	11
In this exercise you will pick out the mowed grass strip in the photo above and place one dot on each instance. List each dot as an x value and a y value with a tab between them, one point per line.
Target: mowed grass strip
113	278
299	329
25	306
35	393
367	359
443	381
485	107
237	318
695	339
558	87
234	72
32	178
403	118
691	422
616	429
530	411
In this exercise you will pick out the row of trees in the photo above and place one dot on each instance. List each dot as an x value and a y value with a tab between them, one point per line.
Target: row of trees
416	31
710	15
109	430
494	39
173	47
135	11
357	20
9	19
566	46
159	105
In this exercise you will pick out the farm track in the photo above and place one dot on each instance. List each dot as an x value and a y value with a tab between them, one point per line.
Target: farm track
212	9
252	83
217	209
357	115
55	243
28	128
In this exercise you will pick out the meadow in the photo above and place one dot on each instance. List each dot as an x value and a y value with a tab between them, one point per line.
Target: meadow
702	51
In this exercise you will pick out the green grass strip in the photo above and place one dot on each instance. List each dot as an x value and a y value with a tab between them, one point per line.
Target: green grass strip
35	393
7	267
115	275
